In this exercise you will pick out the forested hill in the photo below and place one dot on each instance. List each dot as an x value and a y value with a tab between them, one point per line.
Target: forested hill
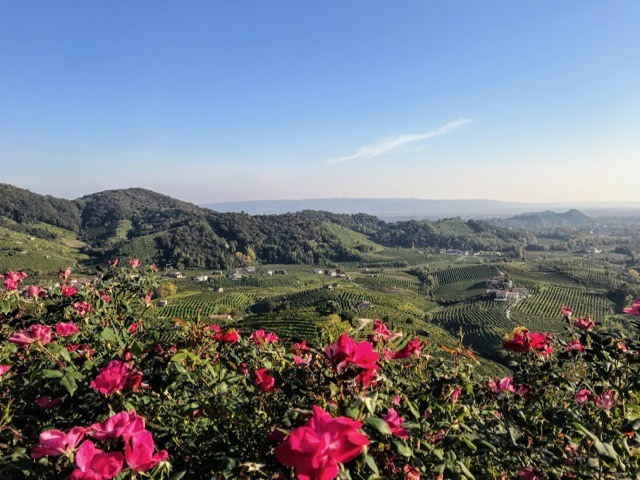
151	226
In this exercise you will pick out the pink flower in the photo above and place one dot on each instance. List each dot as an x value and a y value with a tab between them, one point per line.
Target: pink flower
132	328
605	401
112	378
66	329
345	352
584	323
134	262
566	311
260	338
456	393
68	291
411	473
55	442
396	400
228	336
47	402
64	274
388	354
365	378
582	396
37	332
524	390
113	263
11	279
34	291
123	424
380	331
316	448
138	451
574	346
634	309
104	297
153	267
147	297
527	474
94	464
299	347
411	349
298	360
4	369
82	308
503	385
394	422
263	380
523	341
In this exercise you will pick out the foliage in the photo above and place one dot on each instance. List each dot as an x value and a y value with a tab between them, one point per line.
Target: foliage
220	403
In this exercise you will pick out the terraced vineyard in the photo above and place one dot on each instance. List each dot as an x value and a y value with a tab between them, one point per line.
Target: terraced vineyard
546	304
457	274
394	281
205	304
483	324
295	324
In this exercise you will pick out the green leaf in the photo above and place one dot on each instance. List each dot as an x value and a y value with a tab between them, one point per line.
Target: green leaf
372	464
378	425
403	449
465	471
69	383
178	475
51	374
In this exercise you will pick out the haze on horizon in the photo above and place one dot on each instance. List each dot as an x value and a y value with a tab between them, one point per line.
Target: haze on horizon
228	101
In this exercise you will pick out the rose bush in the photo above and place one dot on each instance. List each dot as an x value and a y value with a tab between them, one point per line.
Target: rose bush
95	385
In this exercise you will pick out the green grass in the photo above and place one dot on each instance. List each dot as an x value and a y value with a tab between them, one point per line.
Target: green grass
351	239
459	290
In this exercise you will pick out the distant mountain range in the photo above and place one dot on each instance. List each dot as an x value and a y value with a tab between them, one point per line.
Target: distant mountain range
415	208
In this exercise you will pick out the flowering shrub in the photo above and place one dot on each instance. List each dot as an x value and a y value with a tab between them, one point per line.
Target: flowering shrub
94	385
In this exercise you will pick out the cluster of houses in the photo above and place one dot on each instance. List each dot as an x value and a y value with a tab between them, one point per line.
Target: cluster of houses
501	289
333	273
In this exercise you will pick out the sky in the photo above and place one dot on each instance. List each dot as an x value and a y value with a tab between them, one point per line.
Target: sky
212	101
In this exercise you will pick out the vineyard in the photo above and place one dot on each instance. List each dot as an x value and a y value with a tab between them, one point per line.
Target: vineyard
546	303
458	274
483	324
205	304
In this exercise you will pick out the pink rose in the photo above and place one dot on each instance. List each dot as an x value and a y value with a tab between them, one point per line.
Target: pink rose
138	451
55	442
394	422
66	329
582	396
260	338
82	308
316	448
68	291
584	323
345	352
606	400
380	331
94	464
123	424
634	309
411	349
112	378
263	380
134	262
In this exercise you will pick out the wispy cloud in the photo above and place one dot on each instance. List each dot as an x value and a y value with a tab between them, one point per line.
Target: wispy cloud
387	145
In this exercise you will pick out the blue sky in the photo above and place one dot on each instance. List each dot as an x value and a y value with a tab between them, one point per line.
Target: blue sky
238	100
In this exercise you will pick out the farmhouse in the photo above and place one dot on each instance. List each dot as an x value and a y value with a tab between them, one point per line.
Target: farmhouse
220	316
235	275
318	271
499	282
200	278
280	271
363	304
250	269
